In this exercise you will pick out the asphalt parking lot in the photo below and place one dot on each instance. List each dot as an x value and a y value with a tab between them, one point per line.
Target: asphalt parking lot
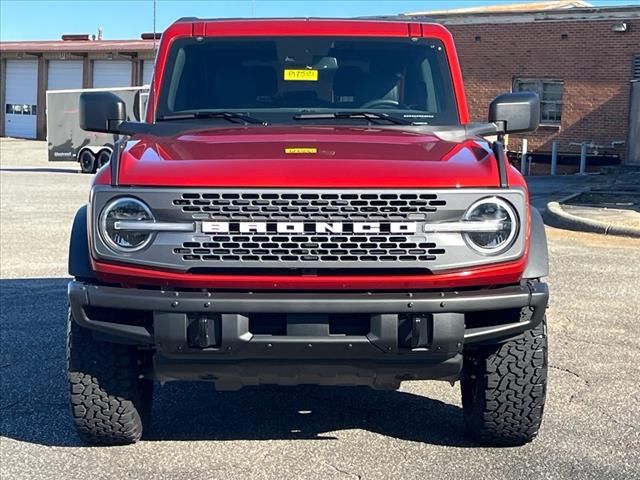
591	427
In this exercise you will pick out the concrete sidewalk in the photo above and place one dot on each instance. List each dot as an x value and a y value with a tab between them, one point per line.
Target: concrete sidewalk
607	203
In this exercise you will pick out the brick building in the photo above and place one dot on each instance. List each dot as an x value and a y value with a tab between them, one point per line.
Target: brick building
581	60
29	69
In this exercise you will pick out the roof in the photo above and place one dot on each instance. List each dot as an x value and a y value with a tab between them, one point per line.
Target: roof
78	46
397	18
512	8
552	11
136	45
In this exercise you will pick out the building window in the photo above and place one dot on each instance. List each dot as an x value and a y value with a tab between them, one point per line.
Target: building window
636	67
20	109
550	93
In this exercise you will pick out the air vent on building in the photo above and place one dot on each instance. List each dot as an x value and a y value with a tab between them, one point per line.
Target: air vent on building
75	37
636	67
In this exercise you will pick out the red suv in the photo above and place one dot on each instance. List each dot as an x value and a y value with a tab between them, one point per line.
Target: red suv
307	202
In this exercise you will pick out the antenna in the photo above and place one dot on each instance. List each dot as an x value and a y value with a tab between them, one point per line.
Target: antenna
155	55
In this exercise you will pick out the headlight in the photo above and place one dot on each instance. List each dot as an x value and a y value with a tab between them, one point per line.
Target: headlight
496	225
125	209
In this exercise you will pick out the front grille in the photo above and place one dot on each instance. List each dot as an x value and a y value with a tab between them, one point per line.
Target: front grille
306	231
284	206
297	248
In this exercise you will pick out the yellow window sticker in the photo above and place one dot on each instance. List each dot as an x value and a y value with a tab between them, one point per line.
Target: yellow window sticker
301	150
301	75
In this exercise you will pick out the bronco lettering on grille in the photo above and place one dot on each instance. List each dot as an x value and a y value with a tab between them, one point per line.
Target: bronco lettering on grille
315	227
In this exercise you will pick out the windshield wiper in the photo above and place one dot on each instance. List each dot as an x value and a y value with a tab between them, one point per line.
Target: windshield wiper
352	115
233	117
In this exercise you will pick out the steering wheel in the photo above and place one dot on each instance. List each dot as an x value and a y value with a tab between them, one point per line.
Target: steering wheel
381	103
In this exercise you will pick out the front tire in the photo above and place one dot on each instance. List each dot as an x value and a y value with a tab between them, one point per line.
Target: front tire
504	389
110	404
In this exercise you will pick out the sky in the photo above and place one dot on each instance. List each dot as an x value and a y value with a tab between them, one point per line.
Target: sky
125	19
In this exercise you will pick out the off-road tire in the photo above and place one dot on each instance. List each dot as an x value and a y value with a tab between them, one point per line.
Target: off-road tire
504	388
110	404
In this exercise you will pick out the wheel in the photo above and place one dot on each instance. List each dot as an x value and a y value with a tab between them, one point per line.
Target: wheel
504	388
87	161
110	404
103	157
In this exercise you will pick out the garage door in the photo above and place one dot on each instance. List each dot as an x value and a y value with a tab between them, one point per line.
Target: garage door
64	74
147	72
111	73
21	97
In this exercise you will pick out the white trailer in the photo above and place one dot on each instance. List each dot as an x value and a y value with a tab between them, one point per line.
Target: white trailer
68	142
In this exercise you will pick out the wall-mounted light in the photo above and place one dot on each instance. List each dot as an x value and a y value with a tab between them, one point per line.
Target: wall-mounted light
620	27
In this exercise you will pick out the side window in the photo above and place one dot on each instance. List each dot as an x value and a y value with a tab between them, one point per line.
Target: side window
550	93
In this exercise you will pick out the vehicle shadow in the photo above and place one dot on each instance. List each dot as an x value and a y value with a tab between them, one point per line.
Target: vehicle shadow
40	170
196	412
34	404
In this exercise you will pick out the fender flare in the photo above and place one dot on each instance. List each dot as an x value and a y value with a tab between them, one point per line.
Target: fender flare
538	263
79	255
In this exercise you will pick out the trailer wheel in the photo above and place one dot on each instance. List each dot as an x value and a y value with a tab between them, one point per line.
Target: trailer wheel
87	161
103	157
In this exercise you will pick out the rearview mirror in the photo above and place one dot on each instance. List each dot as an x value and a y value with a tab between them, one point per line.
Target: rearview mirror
519	111
326	63
101	112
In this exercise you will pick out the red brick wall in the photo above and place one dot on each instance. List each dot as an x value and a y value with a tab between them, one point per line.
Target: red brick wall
594	62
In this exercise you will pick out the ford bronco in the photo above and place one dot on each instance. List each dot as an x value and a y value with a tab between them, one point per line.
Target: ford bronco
307	202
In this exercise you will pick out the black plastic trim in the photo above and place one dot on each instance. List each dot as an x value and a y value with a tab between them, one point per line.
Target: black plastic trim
79	265
232	306
232	375
78	299
115	160
247	302
498	152
538	262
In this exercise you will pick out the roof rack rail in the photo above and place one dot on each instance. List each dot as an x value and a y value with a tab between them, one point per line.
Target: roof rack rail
389	18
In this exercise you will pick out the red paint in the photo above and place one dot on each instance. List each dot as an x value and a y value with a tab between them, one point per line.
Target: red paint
359	157
310	28
501	274
346	157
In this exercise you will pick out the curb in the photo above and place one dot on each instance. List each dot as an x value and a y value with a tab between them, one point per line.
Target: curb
566	220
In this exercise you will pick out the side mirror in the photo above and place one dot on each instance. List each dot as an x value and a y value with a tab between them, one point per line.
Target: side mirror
101	112
519	112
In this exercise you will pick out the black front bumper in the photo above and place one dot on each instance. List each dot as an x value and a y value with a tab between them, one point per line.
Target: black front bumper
211	335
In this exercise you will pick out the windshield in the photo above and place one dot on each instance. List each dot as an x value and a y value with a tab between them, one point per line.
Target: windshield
277	78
